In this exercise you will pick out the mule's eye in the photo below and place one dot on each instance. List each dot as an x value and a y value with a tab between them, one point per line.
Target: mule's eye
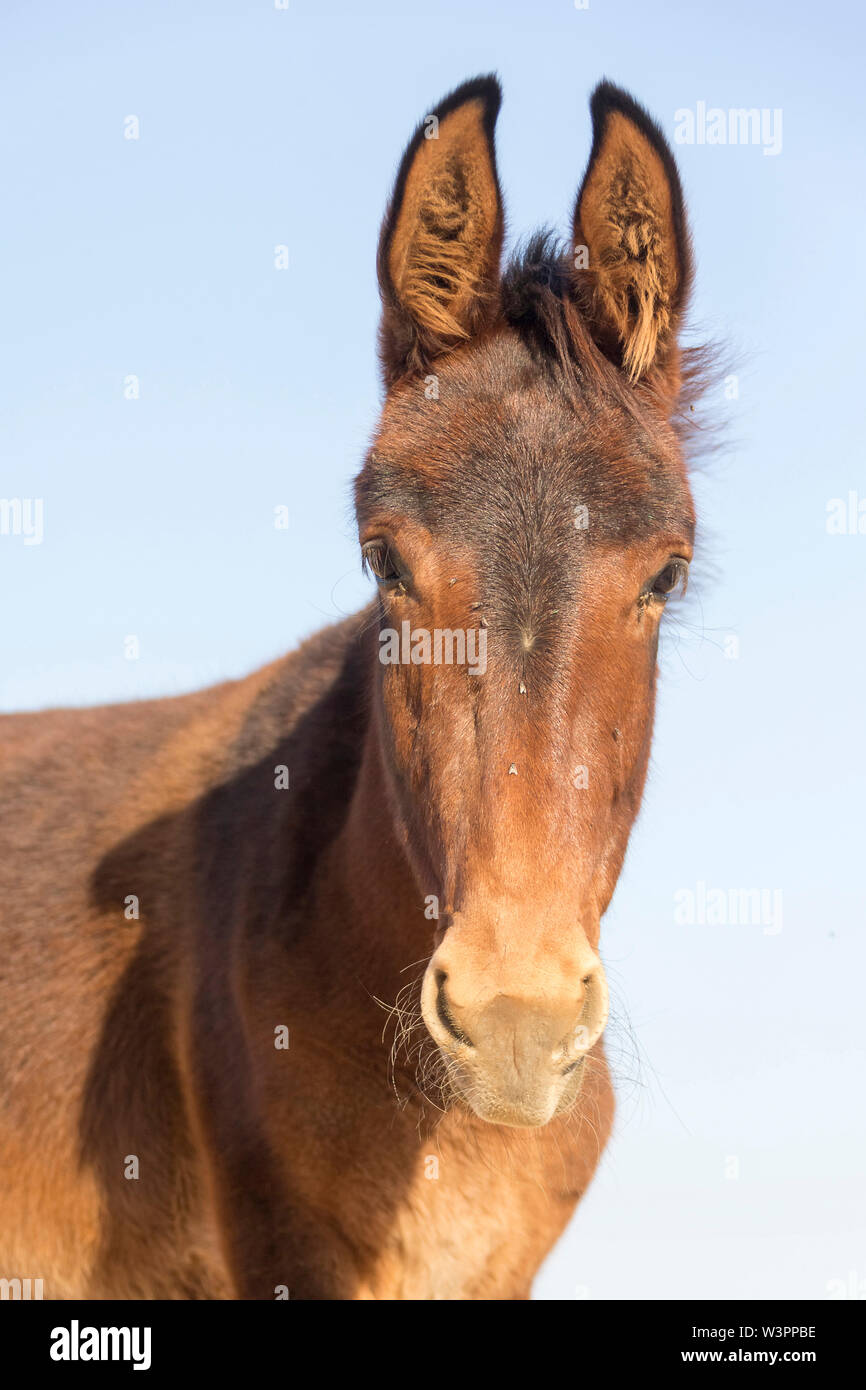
382	563
673	577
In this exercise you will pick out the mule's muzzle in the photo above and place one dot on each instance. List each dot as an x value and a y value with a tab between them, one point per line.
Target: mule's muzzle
515	1059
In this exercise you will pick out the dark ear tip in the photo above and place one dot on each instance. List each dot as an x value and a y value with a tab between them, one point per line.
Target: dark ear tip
607	98
486	88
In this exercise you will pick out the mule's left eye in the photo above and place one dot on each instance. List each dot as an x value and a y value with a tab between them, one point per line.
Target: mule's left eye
671	579
382	563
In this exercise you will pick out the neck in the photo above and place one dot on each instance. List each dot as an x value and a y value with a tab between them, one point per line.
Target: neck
374	872
368	899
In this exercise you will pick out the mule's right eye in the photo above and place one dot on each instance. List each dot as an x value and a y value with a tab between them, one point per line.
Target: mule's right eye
382	563
672	579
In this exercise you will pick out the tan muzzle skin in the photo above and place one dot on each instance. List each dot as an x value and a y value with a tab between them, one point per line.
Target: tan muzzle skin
514	1026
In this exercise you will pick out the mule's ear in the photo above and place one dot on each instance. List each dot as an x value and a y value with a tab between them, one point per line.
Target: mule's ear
630	217
442	235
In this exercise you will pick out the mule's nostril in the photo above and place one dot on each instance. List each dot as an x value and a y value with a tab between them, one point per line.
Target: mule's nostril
573	1066
443	1013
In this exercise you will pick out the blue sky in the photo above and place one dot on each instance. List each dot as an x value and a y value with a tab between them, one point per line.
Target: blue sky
739	1050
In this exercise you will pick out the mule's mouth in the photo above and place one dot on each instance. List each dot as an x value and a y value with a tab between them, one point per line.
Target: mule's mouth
513	1059
516	1108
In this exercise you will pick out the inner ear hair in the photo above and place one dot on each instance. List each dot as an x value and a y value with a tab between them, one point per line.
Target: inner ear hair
630	217
442	237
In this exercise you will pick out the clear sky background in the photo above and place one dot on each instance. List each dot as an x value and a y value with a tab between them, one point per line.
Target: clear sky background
737	1166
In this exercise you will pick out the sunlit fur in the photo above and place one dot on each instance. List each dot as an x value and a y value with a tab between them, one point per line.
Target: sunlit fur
393	870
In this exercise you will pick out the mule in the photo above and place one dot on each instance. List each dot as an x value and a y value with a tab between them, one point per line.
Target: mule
300	975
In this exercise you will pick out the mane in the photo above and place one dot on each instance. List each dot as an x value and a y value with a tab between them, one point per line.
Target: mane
543	301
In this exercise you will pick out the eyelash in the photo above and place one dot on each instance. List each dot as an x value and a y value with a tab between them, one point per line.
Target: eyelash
677	571
379	560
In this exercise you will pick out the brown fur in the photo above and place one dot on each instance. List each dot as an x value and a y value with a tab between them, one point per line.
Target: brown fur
630	217
442	237
444	1161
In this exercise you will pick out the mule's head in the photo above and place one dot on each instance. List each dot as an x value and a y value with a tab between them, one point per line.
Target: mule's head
525	510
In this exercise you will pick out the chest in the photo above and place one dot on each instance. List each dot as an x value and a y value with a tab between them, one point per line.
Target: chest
478	1218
